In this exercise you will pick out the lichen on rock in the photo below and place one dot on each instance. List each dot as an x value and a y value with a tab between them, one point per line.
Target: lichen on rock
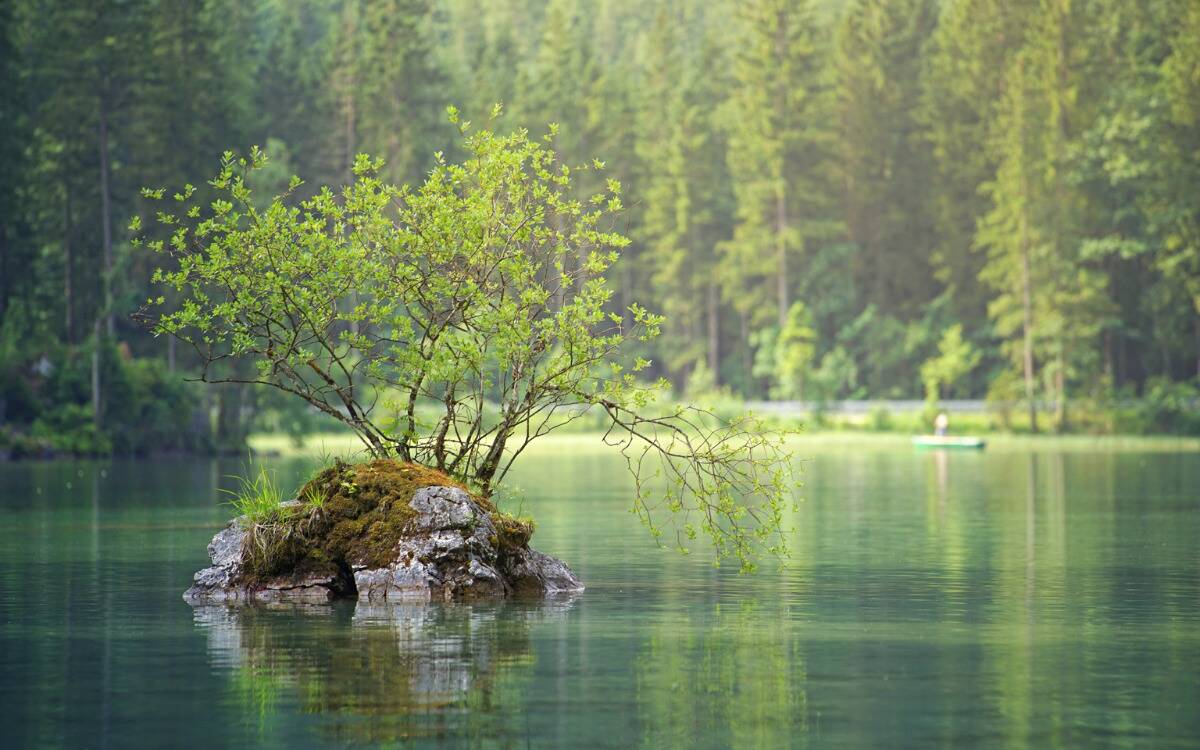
379	531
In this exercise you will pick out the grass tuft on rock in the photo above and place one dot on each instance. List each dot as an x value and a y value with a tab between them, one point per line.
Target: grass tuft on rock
353	514
257	500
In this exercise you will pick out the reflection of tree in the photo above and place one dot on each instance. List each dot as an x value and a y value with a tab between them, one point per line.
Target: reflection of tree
381	673
739	681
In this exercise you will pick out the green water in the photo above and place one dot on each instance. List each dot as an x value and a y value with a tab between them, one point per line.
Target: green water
1006	598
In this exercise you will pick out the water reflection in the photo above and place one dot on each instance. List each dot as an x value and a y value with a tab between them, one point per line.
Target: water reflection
381	673
1007	598
732	677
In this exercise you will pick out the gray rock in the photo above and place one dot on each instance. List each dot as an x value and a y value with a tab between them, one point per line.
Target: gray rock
534	572
451	552
220	582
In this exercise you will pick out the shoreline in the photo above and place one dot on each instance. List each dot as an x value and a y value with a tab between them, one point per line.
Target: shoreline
334	443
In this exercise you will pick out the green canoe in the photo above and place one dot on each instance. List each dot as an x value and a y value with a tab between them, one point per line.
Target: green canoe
947	441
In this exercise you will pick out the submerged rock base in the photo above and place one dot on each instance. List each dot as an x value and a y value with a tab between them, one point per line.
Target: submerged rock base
450	550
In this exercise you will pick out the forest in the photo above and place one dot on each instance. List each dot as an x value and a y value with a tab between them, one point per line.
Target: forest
868	199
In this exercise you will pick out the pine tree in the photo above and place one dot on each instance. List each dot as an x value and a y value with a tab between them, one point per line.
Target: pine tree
685	210
1180	221
1044	289
400	93
961	84
779	142
880	44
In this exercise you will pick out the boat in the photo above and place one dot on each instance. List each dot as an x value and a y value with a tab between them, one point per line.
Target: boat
949	441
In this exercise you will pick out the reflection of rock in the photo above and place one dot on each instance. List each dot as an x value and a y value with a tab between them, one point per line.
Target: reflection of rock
404	665
451	549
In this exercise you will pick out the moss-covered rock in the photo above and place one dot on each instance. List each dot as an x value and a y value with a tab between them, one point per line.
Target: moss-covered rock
379	530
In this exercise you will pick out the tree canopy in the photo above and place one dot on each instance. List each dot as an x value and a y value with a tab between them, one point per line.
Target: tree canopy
445	324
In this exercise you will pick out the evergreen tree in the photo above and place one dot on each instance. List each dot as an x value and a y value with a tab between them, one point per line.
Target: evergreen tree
885	156
779	143
685	211
962	82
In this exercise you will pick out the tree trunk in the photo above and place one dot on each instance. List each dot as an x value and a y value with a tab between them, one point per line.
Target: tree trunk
349	118
1110	368
105	217
4	274
626	292
349	143
1060	385
1061	68
170	354
231	427
748	389
714	334
556	278
1027	323
781	281
781	218
68	266
96	372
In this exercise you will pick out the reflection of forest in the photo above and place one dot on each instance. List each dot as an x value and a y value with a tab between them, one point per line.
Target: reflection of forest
1003	599
381	673
736	676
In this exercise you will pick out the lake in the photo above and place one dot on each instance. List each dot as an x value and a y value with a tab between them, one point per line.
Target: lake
1032	595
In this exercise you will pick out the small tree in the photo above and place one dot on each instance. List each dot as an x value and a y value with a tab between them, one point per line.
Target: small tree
455	323
795	349
955	359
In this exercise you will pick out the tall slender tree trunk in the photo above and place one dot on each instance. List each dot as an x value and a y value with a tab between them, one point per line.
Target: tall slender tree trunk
68	268
714	334
1026	269
747	363
96	402
1027	322
4	273
1197	328
106	217
1060	200
781	102
626	293
350	113
781	281
1060	386
556	278
1110	367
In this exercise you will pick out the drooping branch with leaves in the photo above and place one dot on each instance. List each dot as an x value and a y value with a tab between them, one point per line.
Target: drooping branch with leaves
455	323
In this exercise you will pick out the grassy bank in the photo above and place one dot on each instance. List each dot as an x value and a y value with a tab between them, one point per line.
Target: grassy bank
345	445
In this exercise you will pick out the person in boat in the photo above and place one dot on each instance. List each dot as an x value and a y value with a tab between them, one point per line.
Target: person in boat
941	424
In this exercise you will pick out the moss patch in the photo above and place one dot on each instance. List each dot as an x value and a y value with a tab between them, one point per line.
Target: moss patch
354	514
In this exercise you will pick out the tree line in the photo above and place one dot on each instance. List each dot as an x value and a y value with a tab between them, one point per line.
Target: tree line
871	198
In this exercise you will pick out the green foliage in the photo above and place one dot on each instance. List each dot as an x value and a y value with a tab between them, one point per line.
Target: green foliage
258	499
794	351
71	429
145	408
955	359
836	377
879	419
1171	408
482	294
312	498
449	300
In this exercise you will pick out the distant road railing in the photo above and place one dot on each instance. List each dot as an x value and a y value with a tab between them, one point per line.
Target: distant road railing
908	406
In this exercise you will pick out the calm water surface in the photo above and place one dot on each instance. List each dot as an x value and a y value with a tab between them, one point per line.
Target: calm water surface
1012	598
